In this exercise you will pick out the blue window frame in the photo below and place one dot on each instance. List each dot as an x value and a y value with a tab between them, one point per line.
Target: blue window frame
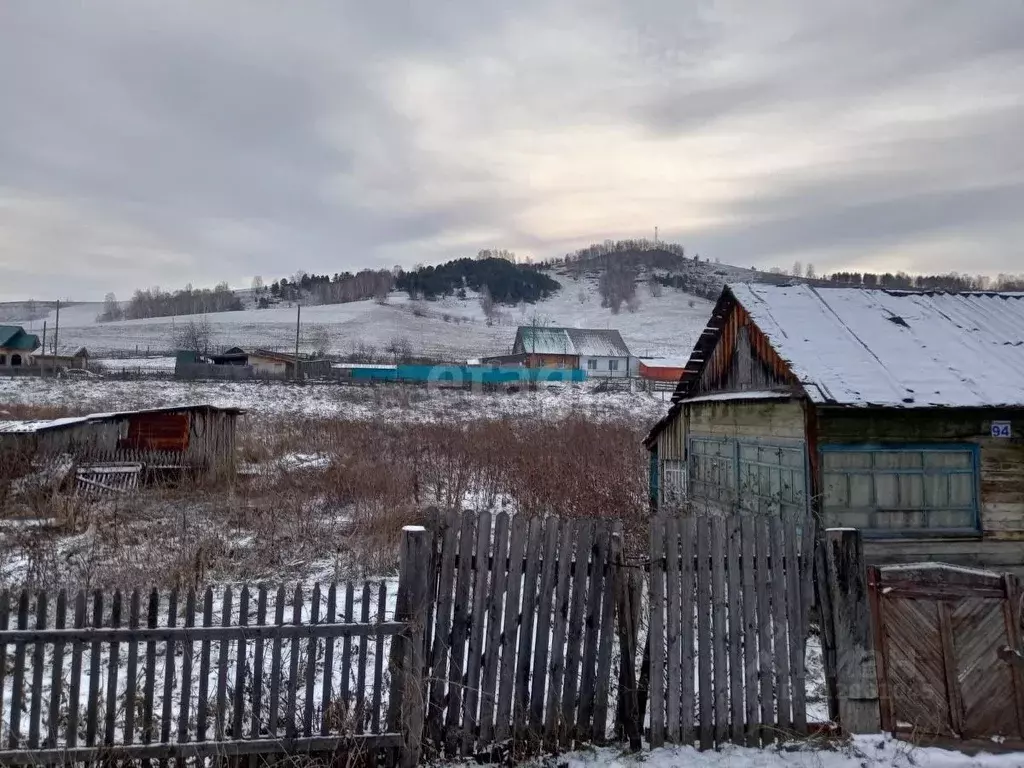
893	490
748	475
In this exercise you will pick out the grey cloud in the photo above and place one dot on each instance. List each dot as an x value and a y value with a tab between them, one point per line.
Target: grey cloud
219	139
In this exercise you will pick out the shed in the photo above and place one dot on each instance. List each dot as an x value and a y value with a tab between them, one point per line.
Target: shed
196	437
64	357
601	352
898	413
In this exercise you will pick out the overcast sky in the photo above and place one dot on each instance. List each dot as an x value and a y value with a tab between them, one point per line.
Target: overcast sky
157	143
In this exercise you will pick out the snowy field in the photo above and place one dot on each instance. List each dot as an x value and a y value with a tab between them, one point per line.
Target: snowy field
390	403
862	752
450	329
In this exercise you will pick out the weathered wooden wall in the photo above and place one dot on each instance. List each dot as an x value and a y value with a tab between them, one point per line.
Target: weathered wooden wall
752	419
1000	545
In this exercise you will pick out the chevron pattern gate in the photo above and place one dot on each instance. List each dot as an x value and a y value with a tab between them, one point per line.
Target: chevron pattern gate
948	644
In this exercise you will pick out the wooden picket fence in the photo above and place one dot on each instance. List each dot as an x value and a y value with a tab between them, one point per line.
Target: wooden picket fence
521	639
729	600
168	676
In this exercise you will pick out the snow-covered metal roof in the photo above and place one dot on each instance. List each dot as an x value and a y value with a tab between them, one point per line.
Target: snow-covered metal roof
895	348
585	342
43	425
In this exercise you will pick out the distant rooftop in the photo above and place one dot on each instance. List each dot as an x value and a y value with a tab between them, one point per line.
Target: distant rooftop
585	342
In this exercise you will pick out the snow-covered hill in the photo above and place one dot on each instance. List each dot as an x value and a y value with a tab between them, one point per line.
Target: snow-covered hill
451	329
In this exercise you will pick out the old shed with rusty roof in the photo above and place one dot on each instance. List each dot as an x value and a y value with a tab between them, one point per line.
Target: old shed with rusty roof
895	412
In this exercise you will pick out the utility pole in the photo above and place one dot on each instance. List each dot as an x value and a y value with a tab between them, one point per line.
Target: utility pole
56	330
298	326
655	237
42	366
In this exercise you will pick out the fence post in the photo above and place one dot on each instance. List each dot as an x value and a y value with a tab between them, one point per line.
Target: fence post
626	624
856	681
411	607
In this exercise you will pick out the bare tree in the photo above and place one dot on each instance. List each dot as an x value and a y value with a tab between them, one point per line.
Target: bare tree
654	287
487	303
811	273
111	309
319	340
257	284
196	335
400	349
798	269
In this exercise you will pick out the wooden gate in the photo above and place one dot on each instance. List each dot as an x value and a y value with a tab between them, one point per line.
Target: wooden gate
947	640
730	598
522	636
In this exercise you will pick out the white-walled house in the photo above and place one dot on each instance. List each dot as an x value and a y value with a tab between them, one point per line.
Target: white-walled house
601	352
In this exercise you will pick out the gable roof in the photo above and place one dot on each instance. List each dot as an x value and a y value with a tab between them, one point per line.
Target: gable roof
32	426
850	346
14	337
586	342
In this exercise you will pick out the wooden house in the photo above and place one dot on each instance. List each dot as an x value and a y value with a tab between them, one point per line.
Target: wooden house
897	413
600	352
16	346
200	438
64	357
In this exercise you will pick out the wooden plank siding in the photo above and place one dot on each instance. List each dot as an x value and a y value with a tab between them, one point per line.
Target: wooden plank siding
751	419
1000	542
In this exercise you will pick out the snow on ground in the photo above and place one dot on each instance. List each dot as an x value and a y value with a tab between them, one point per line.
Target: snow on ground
451	329
861	752
389	402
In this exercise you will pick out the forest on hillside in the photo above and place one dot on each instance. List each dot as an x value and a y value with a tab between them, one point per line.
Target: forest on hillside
502	280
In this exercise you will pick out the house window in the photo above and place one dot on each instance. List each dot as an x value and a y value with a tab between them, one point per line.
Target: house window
673	482
3	359
15	360
902	491
749	475
712	469
613	365
591	365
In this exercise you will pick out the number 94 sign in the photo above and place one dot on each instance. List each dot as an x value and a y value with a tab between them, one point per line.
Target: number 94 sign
1001	429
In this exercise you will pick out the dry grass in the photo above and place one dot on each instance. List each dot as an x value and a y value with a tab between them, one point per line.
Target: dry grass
322	499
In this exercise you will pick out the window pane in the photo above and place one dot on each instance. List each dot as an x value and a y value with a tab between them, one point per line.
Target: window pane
897	459
961	490
847	459
960	459
911	491
860	490
936	491
900	520
885	491
836	492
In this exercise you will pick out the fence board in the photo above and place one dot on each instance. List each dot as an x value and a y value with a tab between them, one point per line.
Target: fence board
509	634
656	634
705	651
238	696
256	728
131	670
687	611
543	640
574	640
764	631
526	633
113	671
172	620
311	660
494	604
612	577
222	665
588	678
674	660
346	656
734	604
556	667
721	672
364	612
205	649
327	686
780	623
378	667
476	635
460	631
36	692
442	633
149	690
275	660
18	678
752	698
75	684
795	629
